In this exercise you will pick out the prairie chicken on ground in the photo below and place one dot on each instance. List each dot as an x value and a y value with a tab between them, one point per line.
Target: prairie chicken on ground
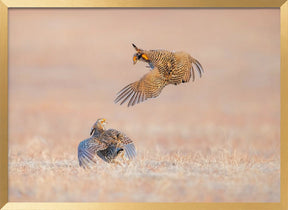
107	144
166	68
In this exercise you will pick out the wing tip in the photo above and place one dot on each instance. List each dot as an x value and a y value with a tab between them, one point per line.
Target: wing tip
198	67
129	95
130	150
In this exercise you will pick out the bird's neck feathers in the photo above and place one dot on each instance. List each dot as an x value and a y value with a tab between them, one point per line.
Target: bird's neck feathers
99	130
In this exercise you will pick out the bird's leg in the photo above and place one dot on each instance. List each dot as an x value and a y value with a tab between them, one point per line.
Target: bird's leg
122	155
125	159
117	162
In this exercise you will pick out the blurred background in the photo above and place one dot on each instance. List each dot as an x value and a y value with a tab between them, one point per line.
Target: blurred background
213	140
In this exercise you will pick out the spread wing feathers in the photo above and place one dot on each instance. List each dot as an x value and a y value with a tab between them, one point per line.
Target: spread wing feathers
149	86
130	151
120	140
87	150
127	145
198	66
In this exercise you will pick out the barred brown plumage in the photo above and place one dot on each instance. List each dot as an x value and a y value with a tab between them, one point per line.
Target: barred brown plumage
149	86
107	144
166	68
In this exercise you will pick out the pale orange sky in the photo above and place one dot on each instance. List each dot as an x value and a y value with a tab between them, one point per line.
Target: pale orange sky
87	50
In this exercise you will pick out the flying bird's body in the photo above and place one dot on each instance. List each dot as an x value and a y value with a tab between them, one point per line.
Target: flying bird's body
106	144
166	68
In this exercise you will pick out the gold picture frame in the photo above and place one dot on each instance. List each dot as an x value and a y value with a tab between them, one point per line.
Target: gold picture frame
5	5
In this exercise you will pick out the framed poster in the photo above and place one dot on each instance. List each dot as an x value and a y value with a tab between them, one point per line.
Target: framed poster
216	141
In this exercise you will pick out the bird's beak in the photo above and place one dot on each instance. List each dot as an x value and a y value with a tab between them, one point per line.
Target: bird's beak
92	130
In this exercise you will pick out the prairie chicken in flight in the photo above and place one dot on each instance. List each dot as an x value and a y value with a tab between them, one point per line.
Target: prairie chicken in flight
166	68
106	144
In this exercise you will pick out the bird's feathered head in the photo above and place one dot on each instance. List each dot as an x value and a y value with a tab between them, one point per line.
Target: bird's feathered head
98	125
139	55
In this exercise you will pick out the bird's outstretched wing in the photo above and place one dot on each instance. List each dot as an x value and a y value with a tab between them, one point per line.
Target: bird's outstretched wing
120	140
128	146
87	150
149	86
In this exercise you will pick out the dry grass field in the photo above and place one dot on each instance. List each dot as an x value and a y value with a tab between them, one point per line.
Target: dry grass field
214	140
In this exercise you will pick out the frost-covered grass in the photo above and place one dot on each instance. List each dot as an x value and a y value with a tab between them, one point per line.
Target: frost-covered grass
166	172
